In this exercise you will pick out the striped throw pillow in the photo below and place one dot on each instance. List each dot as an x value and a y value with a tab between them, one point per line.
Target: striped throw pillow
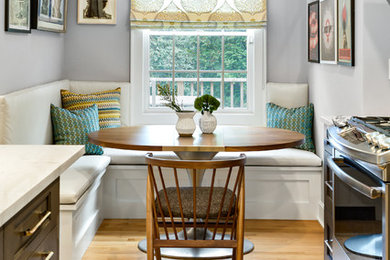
295	119
108	103
73	127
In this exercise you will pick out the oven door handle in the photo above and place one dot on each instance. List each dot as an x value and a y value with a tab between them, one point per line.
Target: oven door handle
370	192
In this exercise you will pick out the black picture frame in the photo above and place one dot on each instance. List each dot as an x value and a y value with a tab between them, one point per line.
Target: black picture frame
53	18
346	36
313	37
14	19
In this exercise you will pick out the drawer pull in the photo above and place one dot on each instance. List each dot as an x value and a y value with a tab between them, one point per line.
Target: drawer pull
48	255
31	232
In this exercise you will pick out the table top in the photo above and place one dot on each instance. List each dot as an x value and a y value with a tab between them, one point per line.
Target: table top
224	138
26	170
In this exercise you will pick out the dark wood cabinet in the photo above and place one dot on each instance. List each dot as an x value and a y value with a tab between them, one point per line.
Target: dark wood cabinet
33	232
1	243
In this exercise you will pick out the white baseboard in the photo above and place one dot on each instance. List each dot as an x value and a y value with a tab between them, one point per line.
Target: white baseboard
271	192
321	208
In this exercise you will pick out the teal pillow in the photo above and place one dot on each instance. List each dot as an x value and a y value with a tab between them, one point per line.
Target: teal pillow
295	119
72	127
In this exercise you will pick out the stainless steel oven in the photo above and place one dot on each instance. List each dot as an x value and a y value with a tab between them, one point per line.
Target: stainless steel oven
356	207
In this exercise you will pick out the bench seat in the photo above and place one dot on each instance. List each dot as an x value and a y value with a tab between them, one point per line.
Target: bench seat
79	177
283	157
133	157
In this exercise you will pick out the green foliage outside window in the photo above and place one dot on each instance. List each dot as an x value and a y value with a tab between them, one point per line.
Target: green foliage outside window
210	58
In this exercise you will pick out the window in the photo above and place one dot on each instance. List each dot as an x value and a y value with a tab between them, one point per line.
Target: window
227	64
197	63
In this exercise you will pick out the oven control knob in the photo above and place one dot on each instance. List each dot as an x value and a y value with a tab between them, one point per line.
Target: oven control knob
370	136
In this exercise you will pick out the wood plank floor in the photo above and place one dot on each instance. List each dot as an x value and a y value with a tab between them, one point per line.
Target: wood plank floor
274	239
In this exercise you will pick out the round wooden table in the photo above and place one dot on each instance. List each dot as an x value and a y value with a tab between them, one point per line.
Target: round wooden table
198	147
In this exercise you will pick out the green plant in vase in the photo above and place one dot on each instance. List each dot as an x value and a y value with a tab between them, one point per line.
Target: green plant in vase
207	104
185	125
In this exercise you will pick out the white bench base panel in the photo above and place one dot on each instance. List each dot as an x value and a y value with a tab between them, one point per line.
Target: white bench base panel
79	222
271	192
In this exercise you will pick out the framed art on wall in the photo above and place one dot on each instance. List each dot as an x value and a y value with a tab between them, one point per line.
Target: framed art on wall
96	12
346	32
18	16
328	31
313	29
50	15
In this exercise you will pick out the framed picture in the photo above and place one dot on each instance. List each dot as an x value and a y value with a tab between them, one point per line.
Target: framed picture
18	16
96	12
50	15
328	31
313	29
346	28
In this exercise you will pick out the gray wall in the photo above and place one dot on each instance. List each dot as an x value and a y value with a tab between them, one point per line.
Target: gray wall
365	88
98	52
102	52
29	59
286	41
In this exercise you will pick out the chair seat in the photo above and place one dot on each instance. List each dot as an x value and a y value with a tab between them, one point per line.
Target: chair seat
202	202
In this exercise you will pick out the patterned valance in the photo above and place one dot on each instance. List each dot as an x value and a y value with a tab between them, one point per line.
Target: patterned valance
194	14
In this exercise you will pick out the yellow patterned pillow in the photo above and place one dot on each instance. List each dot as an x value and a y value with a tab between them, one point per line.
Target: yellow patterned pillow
108	103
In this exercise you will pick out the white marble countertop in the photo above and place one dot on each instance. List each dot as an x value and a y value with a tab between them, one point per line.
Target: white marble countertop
26	170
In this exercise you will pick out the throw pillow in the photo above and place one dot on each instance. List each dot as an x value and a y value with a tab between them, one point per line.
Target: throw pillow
295	119
108	103
73	127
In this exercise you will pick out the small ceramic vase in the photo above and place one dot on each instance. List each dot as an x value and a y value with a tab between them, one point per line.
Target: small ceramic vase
207	123
185	125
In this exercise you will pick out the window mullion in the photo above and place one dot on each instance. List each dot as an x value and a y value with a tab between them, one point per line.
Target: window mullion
173	63
223	73
197	64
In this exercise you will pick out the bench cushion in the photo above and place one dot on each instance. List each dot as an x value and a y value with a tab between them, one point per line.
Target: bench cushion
132	157
283	157
79	177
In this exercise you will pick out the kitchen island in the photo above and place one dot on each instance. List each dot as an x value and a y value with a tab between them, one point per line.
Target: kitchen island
29	198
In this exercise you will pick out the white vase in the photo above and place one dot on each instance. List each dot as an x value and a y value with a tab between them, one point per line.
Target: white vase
207	123
185	125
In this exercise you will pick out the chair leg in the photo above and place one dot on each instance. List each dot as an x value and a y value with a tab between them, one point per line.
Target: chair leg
234	255
240	222
149	220
158	253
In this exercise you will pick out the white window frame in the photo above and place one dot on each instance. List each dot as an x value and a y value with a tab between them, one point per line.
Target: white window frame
254	114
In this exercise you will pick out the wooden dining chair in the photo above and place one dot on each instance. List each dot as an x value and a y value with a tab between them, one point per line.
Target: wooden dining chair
182	215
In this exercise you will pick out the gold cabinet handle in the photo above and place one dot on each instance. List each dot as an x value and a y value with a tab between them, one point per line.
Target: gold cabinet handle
48	255
30	232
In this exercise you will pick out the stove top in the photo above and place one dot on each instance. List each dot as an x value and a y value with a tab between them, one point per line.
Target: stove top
365	140
375	123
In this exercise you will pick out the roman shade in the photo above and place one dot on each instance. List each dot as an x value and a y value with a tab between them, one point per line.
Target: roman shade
198	14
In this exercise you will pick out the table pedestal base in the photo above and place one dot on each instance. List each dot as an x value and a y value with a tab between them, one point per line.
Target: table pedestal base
198	253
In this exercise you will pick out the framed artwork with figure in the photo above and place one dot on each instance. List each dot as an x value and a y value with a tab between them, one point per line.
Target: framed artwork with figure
313	30
346	28
18	16
96	12
328	31
50	15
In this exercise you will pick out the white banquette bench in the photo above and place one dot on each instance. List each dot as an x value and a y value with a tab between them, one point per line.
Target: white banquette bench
281	184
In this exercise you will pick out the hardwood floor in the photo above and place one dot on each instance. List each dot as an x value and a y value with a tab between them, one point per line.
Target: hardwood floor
274	239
